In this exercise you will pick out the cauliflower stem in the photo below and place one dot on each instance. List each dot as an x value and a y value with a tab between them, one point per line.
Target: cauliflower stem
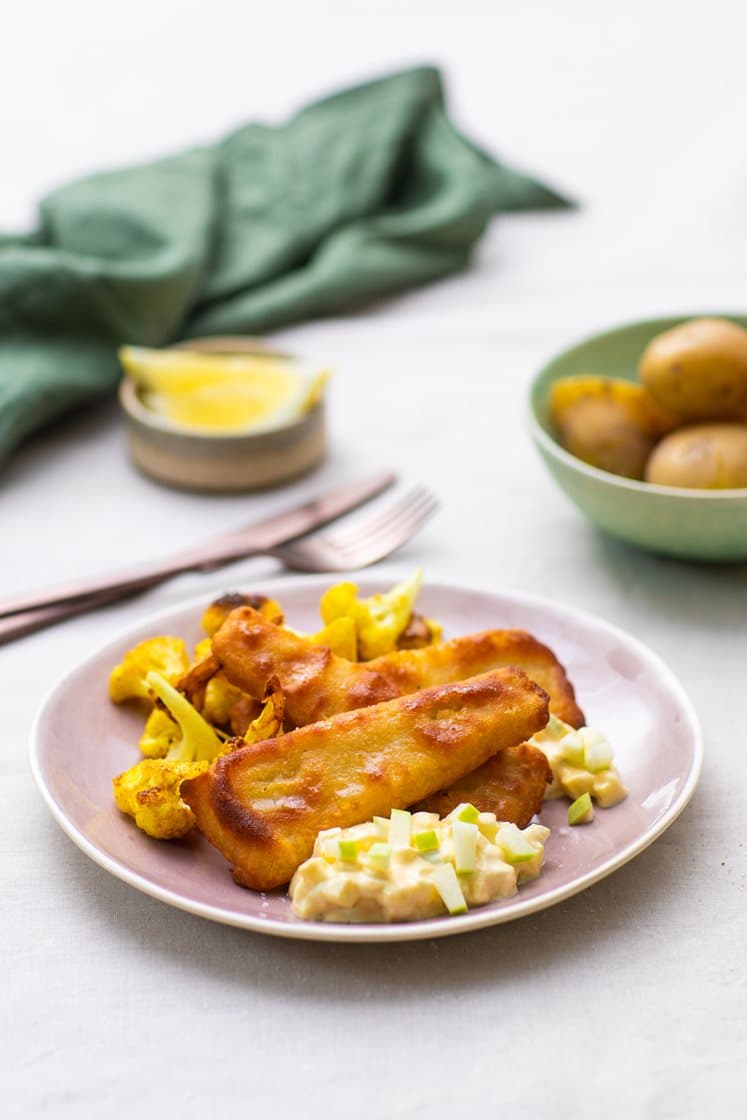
149	791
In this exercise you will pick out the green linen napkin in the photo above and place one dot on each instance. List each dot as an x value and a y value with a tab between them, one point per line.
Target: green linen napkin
359	196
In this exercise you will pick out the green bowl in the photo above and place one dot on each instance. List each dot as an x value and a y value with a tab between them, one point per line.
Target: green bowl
691	524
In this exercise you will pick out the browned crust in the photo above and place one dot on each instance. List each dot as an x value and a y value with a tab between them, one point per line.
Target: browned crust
195	681
317	684
416	634
263	806
511	784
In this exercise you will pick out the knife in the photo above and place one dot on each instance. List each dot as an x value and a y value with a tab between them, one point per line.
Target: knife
267	533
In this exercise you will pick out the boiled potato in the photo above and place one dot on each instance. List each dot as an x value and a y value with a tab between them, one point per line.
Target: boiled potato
703	456
699	370
608	422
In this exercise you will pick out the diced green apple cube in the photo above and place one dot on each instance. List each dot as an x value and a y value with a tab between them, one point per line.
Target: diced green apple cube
572	749
465	845
446	883
466	812
516	847
426	841
554	730
400	828
348	849
598	754
581	810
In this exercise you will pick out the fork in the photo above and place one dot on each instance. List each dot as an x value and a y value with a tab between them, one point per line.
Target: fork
359	545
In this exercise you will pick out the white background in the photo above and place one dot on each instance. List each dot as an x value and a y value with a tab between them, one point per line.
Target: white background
629	999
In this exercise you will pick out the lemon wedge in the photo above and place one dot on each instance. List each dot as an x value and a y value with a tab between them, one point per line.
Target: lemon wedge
223	392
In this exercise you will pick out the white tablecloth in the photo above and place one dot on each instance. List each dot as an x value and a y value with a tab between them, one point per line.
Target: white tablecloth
628	999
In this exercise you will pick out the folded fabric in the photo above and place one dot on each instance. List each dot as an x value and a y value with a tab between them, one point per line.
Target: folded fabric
359	196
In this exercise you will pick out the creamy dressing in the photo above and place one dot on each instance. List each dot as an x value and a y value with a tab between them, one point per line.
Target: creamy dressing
400	887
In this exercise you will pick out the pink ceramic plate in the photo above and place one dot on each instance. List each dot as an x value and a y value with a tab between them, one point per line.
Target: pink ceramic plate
81	740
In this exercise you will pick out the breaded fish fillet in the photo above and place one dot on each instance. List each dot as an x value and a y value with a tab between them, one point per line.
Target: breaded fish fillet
317	684
511	784
262	806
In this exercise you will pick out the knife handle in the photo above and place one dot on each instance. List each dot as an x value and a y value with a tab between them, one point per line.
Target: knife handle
253	540
109	588
26	622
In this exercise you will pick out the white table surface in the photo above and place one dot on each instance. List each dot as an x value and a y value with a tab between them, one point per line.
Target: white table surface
627	999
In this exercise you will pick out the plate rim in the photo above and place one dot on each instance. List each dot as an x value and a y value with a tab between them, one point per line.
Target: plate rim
426	929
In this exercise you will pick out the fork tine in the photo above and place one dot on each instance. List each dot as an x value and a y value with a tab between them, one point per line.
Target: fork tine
401	522
371	548
363	526
369	528
365	542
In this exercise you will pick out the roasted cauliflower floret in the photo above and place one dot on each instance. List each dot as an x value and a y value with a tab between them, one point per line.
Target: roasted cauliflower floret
160	734
218	611
221	698
163	655
203	649
379	620
340	636
149	791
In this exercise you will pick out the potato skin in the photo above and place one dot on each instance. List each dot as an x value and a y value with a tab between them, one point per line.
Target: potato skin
699	370
608	422
702	457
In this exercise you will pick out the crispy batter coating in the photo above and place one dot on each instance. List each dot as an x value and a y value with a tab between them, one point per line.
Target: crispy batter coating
317	684
511	784
263	806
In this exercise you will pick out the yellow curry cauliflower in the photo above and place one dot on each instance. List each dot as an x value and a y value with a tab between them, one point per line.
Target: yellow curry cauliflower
160	734
340	636
163	655
379	620
217	613
149	791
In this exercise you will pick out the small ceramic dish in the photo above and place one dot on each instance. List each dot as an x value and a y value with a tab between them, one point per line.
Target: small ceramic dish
221	461
690	524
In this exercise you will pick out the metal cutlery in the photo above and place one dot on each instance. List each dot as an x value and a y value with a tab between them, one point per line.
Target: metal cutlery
251	540
369	539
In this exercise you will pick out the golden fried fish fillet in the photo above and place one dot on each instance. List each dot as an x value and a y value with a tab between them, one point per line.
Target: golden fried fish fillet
262	806
317	684
511	784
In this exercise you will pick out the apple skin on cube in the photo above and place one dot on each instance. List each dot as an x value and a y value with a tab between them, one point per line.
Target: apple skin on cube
516	847
446	883
465	846
581	810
